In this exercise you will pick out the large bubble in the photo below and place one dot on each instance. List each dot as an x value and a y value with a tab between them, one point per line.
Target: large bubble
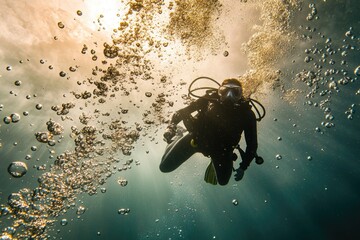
17	169
357	71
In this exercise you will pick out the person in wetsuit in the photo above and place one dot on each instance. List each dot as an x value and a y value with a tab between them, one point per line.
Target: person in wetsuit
214	131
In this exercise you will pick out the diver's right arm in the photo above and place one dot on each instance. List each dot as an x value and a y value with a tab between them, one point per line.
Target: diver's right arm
182	115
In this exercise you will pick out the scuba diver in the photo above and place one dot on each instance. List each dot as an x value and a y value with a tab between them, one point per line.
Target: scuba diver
223	114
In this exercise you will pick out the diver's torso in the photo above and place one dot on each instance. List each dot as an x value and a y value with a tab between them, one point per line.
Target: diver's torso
222	125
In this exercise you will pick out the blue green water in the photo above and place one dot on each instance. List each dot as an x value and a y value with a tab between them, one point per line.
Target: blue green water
312	192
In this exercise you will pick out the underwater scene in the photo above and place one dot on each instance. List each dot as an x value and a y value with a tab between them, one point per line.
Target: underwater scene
89	87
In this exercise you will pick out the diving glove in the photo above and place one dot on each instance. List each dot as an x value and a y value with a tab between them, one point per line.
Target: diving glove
169	133
239	174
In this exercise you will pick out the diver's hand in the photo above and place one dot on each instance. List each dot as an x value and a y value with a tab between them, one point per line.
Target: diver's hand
239	174
169	133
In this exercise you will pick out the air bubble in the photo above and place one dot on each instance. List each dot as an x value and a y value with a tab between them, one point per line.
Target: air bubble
122	182
124	211
51	142
15	117
38	106
309	158
349	33
62	74
63	222
80	210
357	71
72	69
61	25
7	120
235	202
79	12
278	157
226	53
17	169
333	85
17	83
8	68
148	94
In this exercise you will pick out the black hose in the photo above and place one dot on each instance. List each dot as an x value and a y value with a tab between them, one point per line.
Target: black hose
191	91
260	116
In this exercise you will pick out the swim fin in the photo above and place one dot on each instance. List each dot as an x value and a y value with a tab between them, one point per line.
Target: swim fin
210	174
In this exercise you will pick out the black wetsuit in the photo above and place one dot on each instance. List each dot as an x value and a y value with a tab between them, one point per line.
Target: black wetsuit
215	131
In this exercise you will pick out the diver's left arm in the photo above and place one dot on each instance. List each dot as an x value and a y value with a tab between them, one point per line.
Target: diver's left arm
250	139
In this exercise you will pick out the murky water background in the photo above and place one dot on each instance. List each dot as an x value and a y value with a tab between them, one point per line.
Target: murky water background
88	87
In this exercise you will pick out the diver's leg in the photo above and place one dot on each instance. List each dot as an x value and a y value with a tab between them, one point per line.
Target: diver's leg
223	164
177	153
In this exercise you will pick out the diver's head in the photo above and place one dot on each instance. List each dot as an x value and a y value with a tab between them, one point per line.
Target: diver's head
230	91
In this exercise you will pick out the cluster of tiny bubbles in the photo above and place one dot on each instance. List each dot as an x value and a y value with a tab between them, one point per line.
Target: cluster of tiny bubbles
17	169
124	211
350	112
122	182
43	137
317	129
110	51
13	118
235	202
6	236
80	210
327	124
54	127
313	12
278	157
63	222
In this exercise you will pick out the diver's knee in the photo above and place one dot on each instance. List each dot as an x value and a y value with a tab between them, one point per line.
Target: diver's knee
163	168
